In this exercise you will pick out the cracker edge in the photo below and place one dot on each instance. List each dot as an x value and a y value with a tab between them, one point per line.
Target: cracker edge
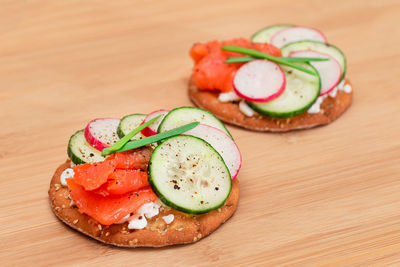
230	113
200	226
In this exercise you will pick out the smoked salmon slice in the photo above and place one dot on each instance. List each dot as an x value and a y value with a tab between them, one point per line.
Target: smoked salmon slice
92	175
138	159
118	174
109	190
123	181
108	209
211	72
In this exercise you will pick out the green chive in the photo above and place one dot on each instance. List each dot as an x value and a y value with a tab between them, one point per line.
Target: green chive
239	59
158	137
120	143
288	59
304	59
258	54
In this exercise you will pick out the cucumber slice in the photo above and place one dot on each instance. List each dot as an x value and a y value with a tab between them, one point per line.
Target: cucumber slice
79	150
189	175
329	71
264	35
128	123
301	92
321	47
183	115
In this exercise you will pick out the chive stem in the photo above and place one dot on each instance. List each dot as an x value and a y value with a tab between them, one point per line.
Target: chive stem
239	59
304	59
120	143
155	138
258	54
288	59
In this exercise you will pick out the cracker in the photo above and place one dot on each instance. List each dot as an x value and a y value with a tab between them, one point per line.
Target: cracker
331	109
183	230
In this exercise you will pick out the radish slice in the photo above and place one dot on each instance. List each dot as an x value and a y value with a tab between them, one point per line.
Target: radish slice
152	129
330	71
102	133
222	143
294	34
259	81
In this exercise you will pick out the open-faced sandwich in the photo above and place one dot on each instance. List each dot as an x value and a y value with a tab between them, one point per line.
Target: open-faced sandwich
285	78
148	180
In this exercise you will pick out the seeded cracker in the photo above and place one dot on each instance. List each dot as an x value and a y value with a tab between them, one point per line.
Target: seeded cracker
229	112
184	229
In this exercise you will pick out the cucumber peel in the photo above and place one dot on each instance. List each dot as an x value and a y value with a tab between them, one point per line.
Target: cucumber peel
300	94
189	175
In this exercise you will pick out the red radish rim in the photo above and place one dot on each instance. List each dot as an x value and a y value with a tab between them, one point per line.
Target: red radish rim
93	141
237	148
291	28
270	97
331	58
148	131
240	158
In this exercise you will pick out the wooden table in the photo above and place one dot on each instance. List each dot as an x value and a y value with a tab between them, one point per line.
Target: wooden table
326	196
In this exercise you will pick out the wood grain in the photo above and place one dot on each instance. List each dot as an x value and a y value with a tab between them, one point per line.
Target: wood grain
326	196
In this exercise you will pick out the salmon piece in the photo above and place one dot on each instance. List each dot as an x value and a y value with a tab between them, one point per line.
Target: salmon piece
137	159
108	209
102	190
123	181
198	51
92	176
211	72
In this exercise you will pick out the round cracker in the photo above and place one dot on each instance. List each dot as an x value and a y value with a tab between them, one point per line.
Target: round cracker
183	230
331	109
